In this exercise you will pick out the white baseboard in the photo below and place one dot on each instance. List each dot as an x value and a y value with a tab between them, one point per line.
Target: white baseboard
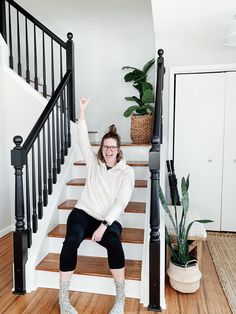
6	230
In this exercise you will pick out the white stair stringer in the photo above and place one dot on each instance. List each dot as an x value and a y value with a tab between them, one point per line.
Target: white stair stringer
86	283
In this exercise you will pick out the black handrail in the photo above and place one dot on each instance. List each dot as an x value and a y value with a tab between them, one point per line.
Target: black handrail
45	114
36	22
24	56
154	167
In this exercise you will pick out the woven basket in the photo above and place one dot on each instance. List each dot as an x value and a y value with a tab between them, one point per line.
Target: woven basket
141	129
184	279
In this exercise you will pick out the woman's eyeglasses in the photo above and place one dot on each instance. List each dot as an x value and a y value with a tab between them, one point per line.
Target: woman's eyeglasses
112	148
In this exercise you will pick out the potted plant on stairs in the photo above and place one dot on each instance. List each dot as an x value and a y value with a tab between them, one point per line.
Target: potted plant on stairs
183	270
141	113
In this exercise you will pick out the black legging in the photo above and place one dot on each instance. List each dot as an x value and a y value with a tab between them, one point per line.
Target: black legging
80	226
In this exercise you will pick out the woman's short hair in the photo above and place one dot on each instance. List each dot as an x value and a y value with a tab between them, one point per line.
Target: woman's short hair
111	133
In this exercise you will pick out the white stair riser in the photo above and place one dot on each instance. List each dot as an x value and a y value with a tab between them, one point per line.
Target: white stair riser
89	248
141	173
140	153
74	192
129	220
90	284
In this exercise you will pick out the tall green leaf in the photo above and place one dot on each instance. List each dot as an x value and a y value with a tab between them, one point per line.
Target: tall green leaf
148	97
148	65
166	208
134	76
136	99
128	112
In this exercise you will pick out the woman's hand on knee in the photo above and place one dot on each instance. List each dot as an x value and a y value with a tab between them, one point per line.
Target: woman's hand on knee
98	233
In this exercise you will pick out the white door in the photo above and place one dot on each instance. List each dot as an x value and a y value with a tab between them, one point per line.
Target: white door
229	166
198	140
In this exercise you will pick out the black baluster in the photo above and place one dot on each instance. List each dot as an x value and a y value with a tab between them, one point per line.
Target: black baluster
68	118
18	45
49	159
40	202
36	80
65	123
54	165
20	242
10	37
61	115
27	52
58	139
52	65
29	230
34	215
70	66
45	185
3	28
44	70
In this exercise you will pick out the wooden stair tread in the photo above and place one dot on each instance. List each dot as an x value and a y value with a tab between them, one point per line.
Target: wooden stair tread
92	266
81	182
129	235
130	163
132	207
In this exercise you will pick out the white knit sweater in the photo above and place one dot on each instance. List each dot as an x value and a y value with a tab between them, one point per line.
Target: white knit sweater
106	192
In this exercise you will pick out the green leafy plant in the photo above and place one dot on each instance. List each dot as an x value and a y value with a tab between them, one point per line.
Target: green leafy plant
179	244
145	89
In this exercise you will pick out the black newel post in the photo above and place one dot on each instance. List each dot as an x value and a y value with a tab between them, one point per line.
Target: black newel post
154	167
3	29
20	234
71	86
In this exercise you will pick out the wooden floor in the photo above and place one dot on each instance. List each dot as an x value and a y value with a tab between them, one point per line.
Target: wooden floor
209	299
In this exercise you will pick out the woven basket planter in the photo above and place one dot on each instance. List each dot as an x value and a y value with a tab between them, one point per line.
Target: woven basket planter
185	279
141	129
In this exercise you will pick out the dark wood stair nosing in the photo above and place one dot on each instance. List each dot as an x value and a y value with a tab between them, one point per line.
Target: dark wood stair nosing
70	204
81	182
91	266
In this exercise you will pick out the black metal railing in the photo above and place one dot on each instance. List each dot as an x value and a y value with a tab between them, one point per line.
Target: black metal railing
34	50
45	148
154	167
41	155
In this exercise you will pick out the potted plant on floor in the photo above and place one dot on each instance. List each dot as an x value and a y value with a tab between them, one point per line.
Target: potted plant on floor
141	112
183	270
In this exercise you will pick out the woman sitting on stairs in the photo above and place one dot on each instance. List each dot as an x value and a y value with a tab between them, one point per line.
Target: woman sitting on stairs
97	214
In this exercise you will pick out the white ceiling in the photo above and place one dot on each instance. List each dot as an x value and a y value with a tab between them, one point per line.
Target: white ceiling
182	19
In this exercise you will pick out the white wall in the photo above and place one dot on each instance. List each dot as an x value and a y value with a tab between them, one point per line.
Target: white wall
20	107
108	34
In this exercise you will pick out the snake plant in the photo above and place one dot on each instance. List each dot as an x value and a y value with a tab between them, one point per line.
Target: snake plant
179	244
145	89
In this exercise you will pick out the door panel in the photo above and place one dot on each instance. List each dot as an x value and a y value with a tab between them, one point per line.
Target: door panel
198	140
229	165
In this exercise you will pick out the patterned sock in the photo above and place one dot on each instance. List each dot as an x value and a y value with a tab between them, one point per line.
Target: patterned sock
65	306
118	307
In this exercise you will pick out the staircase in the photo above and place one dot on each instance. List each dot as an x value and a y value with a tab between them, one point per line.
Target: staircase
92	273
42	163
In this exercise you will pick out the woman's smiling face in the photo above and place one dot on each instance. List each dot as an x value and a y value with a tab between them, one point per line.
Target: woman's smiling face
109	151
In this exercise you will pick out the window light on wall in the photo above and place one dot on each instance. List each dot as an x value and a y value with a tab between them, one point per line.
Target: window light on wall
230	33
